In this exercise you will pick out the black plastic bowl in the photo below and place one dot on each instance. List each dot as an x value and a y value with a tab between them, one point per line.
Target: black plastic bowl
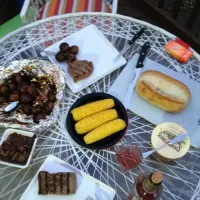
106	142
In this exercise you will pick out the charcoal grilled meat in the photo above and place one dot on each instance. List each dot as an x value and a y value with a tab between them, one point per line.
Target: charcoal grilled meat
16	149
58	183
80	69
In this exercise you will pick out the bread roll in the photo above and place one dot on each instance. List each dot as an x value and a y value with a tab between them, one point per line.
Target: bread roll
163	91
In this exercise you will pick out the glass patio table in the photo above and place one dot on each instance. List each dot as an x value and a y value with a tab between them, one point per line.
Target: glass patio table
181	179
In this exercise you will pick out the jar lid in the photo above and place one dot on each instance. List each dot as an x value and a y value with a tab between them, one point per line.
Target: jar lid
165	132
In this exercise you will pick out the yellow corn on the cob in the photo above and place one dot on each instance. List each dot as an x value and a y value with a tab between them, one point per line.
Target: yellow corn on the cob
91	108
89	123
104	131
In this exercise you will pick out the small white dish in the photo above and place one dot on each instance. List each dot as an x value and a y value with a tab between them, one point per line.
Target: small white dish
25	133
93	46
86	185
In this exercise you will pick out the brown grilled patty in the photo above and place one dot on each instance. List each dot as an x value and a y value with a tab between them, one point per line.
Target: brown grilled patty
80	69
58	183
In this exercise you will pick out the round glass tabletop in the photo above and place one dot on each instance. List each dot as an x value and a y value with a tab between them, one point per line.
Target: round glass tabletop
181	178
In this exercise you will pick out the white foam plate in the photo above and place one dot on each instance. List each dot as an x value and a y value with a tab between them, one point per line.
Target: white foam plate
86	185
25	133
93	46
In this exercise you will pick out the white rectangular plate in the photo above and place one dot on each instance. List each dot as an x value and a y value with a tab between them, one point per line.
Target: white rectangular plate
93	46
25	133
86	185
188	118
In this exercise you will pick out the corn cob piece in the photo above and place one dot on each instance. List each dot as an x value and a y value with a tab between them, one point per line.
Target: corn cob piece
104	131
91	108
89	123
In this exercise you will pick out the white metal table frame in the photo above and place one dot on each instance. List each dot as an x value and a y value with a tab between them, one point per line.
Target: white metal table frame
181	177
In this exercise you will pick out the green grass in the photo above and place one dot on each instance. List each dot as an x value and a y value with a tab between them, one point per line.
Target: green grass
10	26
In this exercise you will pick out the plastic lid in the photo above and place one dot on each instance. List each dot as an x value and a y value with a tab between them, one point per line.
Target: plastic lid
165	132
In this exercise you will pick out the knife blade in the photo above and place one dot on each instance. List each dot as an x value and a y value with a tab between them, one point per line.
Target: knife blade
131	42
136	73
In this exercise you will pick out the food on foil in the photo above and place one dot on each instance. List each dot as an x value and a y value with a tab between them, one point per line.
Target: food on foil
31	91
80	69
38	87
61	183
92	108
104	131
16	149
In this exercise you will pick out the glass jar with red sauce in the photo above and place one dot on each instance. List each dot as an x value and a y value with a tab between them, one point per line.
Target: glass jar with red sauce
128	157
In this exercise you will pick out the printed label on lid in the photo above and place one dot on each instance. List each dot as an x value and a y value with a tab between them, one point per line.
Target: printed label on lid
165	132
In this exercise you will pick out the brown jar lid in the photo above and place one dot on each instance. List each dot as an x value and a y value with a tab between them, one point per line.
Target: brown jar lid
156	178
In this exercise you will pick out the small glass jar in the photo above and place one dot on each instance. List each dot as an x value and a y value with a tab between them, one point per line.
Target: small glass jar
128	157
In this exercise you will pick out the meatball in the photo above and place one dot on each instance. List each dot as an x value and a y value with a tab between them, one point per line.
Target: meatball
64	47
25	98
11	86
3	99
4	90
38	117
14	96
22	87
74	50
32	90
36	109
17	78
48	107
60	57
71	57
51	97
27	109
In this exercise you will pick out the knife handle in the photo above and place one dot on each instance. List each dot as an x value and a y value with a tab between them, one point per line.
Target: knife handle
144	50
136	36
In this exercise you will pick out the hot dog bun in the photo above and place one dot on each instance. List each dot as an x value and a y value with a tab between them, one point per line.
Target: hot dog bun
163	91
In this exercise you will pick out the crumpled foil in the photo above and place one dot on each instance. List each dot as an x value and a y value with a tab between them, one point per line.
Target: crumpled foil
40	67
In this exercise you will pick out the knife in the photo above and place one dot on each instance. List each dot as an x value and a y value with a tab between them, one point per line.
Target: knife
131	42
136	73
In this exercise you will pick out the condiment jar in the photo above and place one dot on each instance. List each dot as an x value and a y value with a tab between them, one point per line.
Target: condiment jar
165	132
128	157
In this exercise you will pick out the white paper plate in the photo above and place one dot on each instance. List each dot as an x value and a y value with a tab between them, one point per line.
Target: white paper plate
93	46
86	185
25	133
